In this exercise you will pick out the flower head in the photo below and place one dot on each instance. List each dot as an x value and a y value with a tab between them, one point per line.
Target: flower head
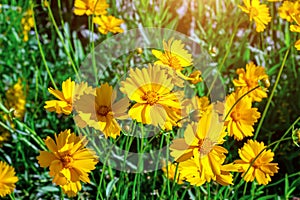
195	77
259	164
225	178
240	116
257	12
152	91
296	28
4	136
201	140
68	159
108	24
99	111
7	179
71	91
250	79
90	7
289	9
174	55
196	107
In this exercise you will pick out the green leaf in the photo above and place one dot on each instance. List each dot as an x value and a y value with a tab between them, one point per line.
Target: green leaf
110	186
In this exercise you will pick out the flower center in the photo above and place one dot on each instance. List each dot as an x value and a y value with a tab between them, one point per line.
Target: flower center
103	110
151	97
206	146
235	116
253	12
174	62
66	161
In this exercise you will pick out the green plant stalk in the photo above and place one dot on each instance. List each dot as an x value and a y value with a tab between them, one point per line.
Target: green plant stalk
272	94
155	172
12	196
208	190
222	62
63	24
92	46
41	50
62	41
33	135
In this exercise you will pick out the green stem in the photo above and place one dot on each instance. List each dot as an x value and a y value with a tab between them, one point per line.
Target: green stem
62	41
222	62
41	51
63	25
272	94
208	190
92	47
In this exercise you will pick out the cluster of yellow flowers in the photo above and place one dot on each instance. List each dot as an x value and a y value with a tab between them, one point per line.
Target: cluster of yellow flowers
27	22
260	13
15	100
97	8
153	95
199	156
290	11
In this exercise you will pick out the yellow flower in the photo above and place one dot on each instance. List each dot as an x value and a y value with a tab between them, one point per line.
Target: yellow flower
195	77
250	79
296	28
242	116
198	152
7	179
27	23
171	172
225	178
99	112
195	107
68	159
289	9
16	99
90	7
69	94
65	102
201	140
174	55
4	136
257	12
262	168
152	91
197	172
108	24
71	188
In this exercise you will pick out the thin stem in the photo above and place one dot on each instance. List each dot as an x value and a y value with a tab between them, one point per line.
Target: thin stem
62	41
41	50
272	94
222	62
